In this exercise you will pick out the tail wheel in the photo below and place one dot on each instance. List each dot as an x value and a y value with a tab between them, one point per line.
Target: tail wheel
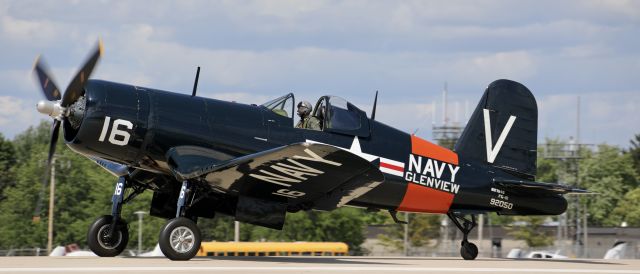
102	241
180	239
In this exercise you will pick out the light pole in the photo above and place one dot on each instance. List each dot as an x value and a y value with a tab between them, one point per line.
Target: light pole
405	238
140	214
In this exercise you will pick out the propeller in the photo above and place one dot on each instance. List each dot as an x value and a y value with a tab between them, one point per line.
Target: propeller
58	109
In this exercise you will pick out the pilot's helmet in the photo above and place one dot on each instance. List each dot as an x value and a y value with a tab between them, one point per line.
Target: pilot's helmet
304	108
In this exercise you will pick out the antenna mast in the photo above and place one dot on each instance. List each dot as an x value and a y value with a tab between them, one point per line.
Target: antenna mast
195	84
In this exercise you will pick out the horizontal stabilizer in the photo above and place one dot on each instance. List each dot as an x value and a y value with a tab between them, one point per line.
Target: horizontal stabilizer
538	187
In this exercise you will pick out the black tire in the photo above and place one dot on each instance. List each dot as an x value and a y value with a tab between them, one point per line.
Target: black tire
98	239
468	251
172	235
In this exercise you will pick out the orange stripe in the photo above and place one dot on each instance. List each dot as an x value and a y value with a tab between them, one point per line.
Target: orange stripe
425	148
424	199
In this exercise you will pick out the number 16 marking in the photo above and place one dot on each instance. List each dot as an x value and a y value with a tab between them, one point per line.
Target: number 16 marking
115	131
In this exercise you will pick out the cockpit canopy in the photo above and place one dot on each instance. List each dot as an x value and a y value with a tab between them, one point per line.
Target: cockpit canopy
282	105
335	113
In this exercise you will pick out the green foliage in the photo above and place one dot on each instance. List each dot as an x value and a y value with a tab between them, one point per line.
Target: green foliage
7	162
422	229
24	143
611	175
628	209
634	151
16	210
340	225
531	233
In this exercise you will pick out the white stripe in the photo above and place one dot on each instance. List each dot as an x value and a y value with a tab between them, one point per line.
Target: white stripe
392	162
314	268
391	171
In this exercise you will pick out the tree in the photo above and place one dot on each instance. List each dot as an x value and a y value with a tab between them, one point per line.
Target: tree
635	152
341	225
16	210
531	233
24	142
628	209
7	162
422	229
610	174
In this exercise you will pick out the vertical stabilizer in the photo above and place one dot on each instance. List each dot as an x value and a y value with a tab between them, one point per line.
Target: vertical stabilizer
503	129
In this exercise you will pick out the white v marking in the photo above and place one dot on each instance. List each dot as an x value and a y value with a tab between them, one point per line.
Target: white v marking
492	152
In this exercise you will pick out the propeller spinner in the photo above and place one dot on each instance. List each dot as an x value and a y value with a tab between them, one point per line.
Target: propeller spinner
58	109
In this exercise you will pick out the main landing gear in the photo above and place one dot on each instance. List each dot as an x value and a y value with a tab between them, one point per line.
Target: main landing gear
468	251
180	238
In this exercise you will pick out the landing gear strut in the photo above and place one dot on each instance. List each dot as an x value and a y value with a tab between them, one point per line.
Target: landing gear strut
109	234
468	251
180	238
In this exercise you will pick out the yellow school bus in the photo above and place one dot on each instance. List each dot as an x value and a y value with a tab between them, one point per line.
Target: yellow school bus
273	249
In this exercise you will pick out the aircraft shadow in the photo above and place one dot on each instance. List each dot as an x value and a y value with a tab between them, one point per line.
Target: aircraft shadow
310	260
574	261
376	260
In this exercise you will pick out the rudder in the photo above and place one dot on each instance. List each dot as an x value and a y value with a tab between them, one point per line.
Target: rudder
510	113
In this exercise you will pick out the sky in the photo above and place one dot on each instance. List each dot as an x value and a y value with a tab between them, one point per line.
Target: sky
253	51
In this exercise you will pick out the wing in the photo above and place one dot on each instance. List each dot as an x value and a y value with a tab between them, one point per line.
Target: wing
300	175
538	187
112	167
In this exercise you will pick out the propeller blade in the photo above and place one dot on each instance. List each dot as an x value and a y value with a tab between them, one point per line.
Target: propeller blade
47	84
75	88
55	128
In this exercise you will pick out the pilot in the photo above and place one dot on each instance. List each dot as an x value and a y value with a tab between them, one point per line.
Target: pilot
304	111
315	122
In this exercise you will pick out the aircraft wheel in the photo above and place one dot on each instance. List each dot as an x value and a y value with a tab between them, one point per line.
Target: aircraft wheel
468	251
99	237
180	239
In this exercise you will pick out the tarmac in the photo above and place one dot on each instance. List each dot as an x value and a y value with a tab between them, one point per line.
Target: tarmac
311	265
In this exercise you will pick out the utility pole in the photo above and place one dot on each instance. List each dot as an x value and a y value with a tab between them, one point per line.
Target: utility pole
406	235
52	189
140	214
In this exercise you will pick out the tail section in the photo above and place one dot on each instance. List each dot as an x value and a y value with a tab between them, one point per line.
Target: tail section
503	129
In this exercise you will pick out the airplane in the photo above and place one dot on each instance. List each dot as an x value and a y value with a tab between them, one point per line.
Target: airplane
201	157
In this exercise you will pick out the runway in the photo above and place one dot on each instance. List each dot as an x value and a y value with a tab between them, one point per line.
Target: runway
311	265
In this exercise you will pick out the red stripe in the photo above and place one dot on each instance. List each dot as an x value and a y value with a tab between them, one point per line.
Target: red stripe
389	166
